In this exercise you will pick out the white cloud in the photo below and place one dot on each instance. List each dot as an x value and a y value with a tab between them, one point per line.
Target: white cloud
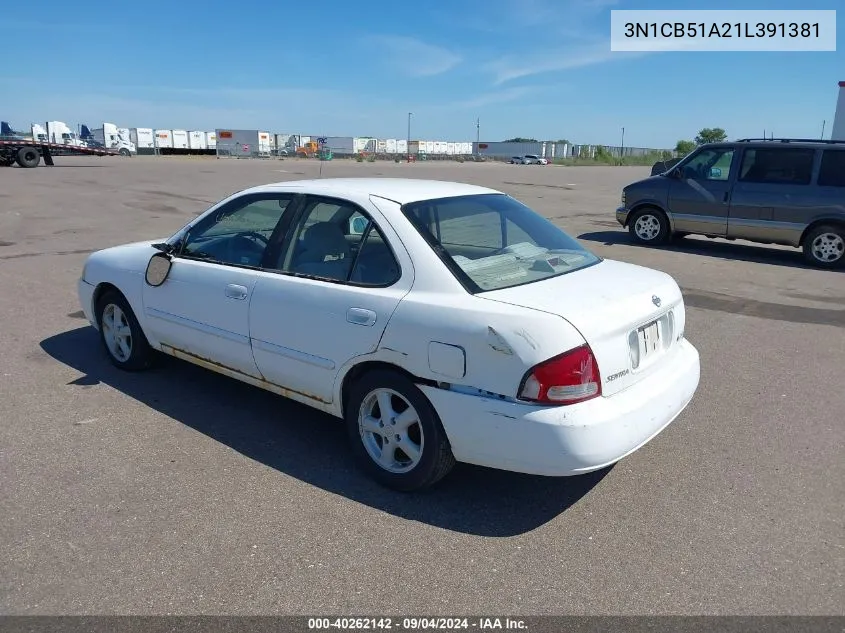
493	98
513	67
411	56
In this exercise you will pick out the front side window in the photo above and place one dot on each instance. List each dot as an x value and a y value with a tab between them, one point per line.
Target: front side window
781	166
709	164
238	233
334	240
492	241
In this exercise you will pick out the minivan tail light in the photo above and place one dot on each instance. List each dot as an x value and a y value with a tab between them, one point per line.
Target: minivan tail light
566	379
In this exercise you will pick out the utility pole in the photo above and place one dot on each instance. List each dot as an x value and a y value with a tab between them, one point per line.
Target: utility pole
409	136
477	135
823	123
622	149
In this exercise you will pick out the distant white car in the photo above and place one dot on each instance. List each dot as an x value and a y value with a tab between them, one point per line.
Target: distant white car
534	159
441	321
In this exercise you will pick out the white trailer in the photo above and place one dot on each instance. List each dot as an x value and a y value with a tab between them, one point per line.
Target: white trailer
264	143
390	145
401	146
366	144
211	140
196	140
180	139
143	138
164	139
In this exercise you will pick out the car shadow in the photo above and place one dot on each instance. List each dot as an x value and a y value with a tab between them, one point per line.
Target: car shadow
758	254
311	446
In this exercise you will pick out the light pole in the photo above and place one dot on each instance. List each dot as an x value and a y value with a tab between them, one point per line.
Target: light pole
477	135
409	136
622	149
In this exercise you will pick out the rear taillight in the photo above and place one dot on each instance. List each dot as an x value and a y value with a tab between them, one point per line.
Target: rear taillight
566	379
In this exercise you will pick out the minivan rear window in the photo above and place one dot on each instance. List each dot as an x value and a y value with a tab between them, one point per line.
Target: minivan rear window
784	166
832	172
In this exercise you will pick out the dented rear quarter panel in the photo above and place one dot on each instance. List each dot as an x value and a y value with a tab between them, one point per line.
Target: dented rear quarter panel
501	342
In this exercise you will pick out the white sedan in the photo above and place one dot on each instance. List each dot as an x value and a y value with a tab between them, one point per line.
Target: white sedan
441	321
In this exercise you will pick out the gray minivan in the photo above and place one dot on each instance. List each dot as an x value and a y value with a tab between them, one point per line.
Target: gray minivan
771	191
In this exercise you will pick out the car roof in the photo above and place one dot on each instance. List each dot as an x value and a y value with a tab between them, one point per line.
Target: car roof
780	143
400	190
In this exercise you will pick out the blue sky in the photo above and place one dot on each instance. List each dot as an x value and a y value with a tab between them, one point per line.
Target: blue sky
535	68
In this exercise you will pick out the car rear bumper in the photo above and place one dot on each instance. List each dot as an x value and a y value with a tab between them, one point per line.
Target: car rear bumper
567	440
622	216
85	291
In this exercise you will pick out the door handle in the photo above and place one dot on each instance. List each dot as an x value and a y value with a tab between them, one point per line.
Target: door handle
360	316
726	196
235	291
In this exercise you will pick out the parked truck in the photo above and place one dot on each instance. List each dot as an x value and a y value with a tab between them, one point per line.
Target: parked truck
58	132
28	152
8	133
112	137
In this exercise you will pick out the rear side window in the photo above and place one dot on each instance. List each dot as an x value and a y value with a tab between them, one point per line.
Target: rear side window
832	172
781	166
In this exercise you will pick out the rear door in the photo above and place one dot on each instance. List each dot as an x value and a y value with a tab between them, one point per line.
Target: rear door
700	199
340	276
773	199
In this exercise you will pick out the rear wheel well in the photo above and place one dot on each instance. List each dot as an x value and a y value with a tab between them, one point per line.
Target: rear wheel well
829	222
367	366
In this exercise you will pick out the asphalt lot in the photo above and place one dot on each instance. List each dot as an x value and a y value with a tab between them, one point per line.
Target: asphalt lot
180	491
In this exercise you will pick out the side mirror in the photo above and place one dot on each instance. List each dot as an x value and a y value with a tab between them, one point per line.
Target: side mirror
158	268
676	173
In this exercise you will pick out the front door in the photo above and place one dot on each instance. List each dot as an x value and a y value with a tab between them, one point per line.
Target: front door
202	309
699	199
338	283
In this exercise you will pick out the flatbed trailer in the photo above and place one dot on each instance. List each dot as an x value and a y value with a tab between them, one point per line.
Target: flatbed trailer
28	153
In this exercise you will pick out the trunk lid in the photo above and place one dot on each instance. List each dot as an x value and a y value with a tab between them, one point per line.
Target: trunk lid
632	317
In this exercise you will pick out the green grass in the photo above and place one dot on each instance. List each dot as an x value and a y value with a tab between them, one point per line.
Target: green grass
603	159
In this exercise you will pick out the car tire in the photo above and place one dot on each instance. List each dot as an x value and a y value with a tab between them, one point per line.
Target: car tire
128	350
824	246
379	440
650	226
124	152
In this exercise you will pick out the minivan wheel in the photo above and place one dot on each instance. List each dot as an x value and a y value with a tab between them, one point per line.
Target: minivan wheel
824	246
649	226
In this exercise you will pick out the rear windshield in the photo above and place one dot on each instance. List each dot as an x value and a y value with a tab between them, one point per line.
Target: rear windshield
492	241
